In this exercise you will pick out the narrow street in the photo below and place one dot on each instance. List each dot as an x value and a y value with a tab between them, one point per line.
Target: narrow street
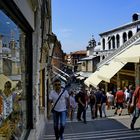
110	128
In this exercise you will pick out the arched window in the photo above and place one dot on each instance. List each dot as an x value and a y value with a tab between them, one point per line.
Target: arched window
130	34
103	57
109	43
103	41
117	40
113	42
124	37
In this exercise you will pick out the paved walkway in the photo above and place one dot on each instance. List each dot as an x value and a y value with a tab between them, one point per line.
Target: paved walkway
107	125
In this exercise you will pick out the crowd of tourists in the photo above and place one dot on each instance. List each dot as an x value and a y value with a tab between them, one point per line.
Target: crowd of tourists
97	99
100	101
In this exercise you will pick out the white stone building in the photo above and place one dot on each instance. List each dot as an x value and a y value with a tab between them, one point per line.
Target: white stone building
113	43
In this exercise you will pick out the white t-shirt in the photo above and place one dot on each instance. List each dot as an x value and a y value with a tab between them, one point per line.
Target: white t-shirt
110	97
127	95
61	104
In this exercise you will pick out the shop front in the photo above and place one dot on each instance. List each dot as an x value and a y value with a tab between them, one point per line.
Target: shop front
16	116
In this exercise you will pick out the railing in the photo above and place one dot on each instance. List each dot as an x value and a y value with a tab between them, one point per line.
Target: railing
122	48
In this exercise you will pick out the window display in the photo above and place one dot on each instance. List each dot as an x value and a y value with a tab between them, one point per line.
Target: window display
12	79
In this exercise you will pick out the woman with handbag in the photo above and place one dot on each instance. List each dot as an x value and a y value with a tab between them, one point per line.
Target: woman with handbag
60	98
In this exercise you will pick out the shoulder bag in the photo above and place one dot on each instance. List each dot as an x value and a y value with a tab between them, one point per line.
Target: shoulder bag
52	110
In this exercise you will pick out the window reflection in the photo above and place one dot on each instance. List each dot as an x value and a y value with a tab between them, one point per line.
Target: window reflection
12	69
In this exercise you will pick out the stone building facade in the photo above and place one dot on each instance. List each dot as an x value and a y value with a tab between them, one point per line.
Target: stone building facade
113	39
114	42
30	21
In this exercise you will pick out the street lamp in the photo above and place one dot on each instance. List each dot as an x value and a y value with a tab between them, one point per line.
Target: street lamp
51	40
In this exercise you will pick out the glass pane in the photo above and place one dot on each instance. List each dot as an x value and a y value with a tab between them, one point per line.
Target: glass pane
12	77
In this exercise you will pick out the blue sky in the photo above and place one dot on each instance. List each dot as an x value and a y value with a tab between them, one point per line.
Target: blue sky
75	21
7	28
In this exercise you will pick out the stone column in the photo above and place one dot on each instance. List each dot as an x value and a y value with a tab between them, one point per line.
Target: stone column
121	39
106	87
118	80
137	74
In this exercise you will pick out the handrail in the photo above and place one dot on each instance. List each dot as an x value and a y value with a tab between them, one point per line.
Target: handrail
125	46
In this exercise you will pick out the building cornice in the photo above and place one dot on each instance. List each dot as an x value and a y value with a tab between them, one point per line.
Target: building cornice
120	28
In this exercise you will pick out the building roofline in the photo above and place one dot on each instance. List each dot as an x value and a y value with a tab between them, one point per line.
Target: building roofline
121	27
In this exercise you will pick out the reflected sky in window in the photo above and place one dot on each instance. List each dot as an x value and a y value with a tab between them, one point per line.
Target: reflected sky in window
8	29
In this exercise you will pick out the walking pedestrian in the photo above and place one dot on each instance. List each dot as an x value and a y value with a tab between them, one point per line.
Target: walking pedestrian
73	105
136	104
110	100
92	102
103	102
129	107
127	94
59	113
98	94
82	105
119	99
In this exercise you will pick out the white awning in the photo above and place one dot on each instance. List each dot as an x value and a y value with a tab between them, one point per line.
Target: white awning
104	73
83	74
110	68
107	71
132	54
93	79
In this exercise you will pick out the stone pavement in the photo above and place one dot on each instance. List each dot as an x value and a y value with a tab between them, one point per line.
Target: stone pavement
109	126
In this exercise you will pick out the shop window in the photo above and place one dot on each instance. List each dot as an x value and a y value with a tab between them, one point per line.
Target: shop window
12	79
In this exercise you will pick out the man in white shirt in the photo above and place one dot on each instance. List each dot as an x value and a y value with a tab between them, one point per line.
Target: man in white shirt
60	110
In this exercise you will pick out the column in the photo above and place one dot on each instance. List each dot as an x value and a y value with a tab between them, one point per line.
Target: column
118	80
137	74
